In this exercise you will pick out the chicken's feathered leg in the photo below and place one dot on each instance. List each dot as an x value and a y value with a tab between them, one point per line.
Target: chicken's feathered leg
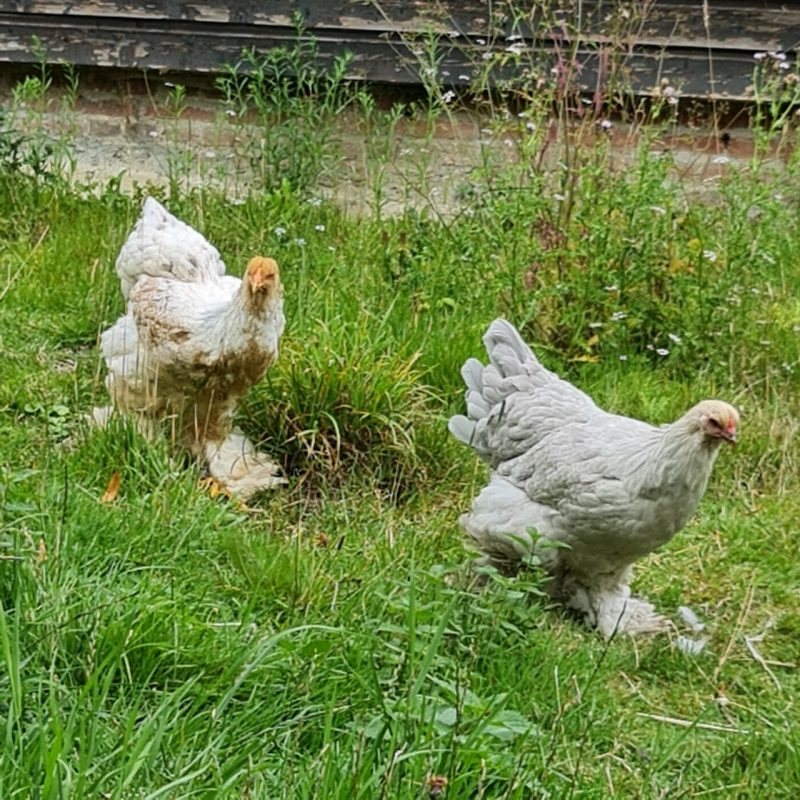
238	467
608	606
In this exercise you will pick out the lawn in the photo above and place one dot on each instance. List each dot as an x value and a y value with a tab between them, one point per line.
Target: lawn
328	642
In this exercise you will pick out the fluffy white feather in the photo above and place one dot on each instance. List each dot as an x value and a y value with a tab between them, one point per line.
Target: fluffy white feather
609	487
192	341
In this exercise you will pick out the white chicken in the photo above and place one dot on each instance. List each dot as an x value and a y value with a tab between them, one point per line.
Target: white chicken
586	491
191	343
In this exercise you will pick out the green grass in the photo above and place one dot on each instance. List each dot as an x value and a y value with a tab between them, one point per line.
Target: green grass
329	644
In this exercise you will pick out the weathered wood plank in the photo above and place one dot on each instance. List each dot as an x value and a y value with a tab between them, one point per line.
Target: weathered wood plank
701	56
743	24
198	47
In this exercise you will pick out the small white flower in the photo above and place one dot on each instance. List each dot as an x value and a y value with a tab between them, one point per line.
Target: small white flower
331	248
611	288
623	358
320	228
531	126
662	351
674	337
508	142
784	65
660	210
315	201
668	91
710	255
169	84
514	37
300	242
449	96
279	231
594	325
673	101
759	56
606	124
618	315
463	77
153	134
480	41
720	160
487	55
559	197
210	154
230	112
649	347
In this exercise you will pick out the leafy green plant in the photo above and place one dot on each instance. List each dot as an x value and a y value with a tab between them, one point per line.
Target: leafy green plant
289	101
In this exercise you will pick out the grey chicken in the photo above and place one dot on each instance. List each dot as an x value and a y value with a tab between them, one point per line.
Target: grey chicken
586	491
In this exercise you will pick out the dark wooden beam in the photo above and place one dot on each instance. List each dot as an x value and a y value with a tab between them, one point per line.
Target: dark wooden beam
701	56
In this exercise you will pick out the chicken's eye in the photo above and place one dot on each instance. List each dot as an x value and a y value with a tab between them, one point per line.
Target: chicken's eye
714	423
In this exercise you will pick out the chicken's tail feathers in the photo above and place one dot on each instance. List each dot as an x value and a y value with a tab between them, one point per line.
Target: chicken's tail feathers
507	350
462	428
162	246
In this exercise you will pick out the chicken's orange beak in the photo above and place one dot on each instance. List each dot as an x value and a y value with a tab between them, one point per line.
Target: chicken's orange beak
262	273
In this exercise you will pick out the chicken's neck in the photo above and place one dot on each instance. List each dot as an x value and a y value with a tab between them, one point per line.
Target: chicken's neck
248	316
677	459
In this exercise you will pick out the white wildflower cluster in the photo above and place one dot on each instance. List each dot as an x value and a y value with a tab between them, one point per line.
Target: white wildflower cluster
668	92
774	58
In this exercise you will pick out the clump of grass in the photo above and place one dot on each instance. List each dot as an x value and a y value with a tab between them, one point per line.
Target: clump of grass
345	397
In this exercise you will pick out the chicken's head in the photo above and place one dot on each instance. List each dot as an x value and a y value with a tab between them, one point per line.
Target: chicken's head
262	275
718	420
